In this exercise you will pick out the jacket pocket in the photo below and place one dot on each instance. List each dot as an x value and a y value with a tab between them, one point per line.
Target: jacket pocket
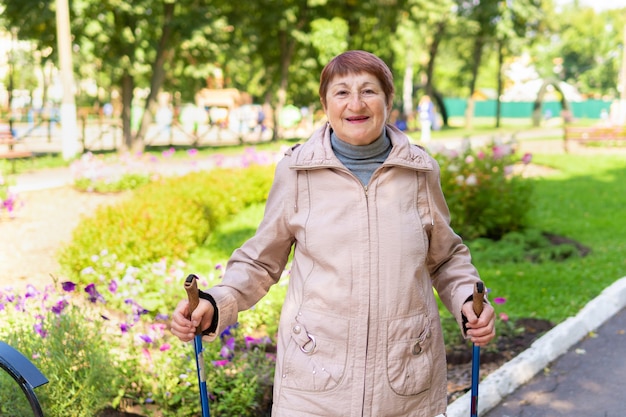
315	357
409	357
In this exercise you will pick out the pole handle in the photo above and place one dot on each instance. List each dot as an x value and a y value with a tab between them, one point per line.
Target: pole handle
478	298
191	286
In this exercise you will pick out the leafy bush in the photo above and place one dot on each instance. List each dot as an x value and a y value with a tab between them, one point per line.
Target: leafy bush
96	173
98	357
66	345
485	197
167	218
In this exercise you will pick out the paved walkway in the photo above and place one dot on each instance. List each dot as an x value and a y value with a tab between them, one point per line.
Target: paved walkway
586	381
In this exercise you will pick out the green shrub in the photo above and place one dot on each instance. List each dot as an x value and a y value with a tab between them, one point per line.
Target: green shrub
485	196
67	348
123	183
167	219
97	357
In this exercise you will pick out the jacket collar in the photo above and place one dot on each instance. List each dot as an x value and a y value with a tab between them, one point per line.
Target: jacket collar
318	153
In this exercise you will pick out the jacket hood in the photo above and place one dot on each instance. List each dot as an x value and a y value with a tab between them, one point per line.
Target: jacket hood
317	152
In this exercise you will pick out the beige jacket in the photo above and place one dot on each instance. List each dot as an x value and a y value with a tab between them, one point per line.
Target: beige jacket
359	331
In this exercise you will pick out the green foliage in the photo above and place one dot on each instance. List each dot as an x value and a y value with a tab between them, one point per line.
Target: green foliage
562	206
79	367
165	219
485	197
126	182
529	245
99	356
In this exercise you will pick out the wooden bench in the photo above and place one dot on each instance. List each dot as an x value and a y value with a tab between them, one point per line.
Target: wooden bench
607	134
8	145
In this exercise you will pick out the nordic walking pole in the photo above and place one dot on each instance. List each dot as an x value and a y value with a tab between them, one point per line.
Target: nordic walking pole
477	301
191	286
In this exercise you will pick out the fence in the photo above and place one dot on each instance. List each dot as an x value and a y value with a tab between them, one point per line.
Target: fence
589	109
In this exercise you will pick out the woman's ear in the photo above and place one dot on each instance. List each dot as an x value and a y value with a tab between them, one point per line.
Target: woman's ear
323	102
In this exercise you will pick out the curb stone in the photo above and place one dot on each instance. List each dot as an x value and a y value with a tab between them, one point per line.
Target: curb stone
496	386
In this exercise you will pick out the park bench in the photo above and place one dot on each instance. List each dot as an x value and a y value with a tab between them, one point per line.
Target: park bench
25	374
12	149
609	135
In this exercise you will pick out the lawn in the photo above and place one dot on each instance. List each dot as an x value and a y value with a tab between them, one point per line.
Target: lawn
585	201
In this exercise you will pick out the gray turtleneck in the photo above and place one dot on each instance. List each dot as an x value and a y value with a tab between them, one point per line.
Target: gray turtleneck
362	160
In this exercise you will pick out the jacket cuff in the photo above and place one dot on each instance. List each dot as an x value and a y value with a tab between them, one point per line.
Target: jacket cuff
213	326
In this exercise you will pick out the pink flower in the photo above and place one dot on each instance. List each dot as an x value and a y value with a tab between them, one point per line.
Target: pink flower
499	300
504	317
527	158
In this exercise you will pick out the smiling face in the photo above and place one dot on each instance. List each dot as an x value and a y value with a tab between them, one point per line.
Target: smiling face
356	107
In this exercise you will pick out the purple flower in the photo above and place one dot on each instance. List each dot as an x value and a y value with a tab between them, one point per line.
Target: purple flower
253	341
68	286
164	347
31	291
124	327
59	307
499	300
228	331
222	362
145	338
94	295
527	158
113	286
39	329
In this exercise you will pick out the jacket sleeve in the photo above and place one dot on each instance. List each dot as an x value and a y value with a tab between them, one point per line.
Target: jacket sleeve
260	261
449	261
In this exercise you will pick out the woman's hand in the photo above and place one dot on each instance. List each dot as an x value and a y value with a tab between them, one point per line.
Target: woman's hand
481	330
185	329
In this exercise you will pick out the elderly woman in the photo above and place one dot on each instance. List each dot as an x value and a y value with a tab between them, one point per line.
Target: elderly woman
363	210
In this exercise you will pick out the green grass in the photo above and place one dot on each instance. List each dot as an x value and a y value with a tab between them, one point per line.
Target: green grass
585	201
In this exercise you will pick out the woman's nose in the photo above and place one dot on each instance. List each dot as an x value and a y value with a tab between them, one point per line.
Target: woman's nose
356	101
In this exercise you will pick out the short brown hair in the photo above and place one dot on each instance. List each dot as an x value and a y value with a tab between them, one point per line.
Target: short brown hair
355	62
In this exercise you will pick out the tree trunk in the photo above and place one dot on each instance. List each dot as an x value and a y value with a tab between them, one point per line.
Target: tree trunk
477	57
500	82
158	77
433	49
128	85
287	48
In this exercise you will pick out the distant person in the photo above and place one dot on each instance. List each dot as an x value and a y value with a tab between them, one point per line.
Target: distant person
427	117
363	212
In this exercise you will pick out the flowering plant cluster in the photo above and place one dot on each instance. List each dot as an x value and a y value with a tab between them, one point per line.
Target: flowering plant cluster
486	196
96	173
120	353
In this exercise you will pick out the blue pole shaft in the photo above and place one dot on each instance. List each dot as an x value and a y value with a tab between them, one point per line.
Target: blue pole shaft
475	373
191	287
478	300
204	398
